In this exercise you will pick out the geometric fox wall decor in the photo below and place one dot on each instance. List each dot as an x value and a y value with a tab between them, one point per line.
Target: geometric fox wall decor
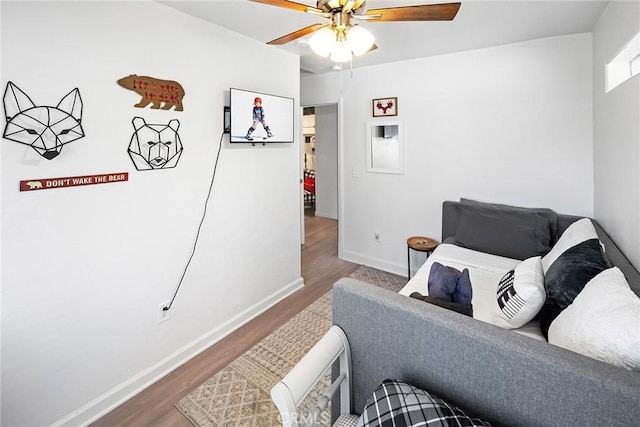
45	129
155	146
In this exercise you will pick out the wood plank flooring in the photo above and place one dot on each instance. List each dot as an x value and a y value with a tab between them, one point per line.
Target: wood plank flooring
320	269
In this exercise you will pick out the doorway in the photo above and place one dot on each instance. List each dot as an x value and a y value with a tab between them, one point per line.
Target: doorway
320	162
309	160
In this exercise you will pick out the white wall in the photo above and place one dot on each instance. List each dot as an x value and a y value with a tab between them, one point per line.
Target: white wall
86	268
617	132
509	124
319	89
327	161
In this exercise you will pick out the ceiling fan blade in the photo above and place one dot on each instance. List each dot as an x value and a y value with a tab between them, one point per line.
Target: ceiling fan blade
364	17
427	12
289	5
358	4
349	4
297	34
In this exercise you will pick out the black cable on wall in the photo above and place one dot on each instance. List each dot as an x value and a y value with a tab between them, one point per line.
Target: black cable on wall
204	214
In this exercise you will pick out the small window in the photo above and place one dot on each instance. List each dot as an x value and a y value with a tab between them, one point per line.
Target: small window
625	64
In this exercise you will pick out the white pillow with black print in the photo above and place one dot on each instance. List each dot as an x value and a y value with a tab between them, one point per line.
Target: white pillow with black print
520	294
577	232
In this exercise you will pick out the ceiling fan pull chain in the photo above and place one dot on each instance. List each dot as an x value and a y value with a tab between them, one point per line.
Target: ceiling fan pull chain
351	67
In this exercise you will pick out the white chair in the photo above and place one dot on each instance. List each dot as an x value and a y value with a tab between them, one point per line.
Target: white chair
296	385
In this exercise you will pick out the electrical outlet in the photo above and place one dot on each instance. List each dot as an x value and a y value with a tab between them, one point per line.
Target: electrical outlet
377	236
164	315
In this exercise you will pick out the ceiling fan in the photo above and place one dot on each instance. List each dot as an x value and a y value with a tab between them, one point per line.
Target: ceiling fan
339	38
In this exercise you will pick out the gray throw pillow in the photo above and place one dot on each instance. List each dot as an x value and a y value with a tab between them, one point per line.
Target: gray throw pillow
551	216
507	233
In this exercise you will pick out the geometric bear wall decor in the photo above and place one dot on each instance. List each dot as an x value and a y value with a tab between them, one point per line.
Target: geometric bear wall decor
45	129
161	94
155	146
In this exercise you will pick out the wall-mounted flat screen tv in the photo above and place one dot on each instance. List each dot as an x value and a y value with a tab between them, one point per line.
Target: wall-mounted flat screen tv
258	117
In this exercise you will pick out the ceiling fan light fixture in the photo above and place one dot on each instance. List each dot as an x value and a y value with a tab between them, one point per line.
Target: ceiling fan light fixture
323	42
359	40
338	38
341	53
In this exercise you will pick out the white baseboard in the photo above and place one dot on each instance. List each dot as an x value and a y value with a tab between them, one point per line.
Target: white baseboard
103	404
380	264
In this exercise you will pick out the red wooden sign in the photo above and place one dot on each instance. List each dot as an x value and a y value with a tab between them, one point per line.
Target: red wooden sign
72	181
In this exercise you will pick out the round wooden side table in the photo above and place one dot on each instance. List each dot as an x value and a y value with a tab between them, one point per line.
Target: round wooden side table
421	244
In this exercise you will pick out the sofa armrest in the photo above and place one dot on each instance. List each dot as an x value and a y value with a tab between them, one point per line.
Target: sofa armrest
305	375
493	373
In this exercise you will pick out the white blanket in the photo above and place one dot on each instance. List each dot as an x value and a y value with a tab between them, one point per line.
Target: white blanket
485	272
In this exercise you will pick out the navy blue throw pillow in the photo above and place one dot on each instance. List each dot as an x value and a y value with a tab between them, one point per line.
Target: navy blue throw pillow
568	275
449	284
463	292
442	281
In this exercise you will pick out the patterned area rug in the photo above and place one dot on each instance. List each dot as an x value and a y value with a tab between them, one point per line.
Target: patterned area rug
239	395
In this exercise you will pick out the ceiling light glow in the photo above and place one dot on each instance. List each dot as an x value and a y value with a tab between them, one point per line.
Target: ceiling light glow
359	40
323	41
341	43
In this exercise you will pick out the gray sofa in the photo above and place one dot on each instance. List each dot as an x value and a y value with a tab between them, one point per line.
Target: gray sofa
489	372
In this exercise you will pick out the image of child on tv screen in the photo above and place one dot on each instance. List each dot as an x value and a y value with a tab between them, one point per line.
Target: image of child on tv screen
258	117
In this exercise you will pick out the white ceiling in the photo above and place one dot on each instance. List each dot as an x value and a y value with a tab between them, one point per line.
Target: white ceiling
479	24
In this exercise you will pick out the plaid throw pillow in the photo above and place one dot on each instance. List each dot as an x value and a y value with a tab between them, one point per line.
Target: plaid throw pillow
398	404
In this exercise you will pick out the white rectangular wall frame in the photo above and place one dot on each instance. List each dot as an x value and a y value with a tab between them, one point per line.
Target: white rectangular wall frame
624	65
385	147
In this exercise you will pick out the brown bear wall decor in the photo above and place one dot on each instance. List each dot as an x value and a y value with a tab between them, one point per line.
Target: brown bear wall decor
162	94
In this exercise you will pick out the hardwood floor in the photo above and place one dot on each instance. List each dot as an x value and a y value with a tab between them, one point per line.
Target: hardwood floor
320	269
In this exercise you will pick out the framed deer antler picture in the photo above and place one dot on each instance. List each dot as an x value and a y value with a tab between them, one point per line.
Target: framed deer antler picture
384	107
